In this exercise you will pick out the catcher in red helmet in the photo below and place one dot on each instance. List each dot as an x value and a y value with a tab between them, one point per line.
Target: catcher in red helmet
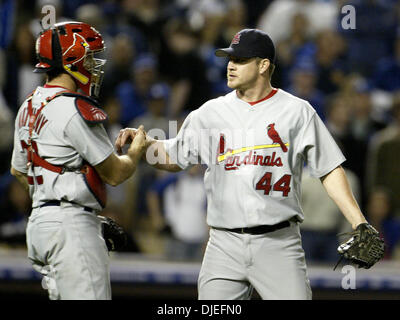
64	157
71	47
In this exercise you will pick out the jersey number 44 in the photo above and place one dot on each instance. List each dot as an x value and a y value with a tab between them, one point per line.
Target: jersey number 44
282	185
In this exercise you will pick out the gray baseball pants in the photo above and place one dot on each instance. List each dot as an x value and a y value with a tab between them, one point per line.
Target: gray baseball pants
272	263
65	244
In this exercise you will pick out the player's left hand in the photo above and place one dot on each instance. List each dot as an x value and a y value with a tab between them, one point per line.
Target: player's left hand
113	234
364	248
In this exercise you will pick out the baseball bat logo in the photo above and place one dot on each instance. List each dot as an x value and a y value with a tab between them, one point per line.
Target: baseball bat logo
221	144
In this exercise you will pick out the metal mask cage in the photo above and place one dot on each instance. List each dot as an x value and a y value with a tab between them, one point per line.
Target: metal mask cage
95	67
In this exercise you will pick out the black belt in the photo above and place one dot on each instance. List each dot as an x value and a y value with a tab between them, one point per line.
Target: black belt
259	229
58	203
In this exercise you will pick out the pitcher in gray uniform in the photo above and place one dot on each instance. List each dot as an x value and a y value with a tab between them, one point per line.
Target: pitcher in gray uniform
63	155
254	141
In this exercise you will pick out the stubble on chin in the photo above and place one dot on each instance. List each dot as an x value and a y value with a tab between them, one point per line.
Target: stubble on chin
231	84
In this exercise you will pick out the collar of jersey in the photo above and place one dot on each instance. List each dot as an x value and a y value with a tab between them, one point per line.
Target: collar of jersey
51	86
270	95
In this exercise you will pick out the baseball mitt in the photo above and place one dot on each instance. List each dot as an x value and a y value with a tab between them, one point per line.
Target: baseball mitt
364	248
114	236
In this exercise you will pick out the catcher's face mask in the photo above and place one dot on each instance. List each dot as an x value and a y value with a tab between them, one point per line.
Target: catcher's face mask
95	67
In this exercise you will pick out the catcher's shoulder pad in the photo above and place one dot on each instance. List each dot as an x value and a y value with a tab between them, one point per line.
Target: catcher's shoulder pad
89	110
87	107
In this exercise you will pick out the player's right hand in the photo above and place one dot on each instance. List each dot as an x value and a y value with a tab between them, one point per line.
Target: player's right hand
139	140
125	136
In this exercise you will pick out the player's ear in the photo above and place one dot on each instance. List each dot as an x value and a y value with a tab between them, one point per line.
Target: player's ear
264	65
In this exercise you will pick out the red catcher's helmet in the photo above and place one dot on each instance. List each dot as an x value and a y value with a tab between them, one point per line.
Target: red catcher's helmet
70	46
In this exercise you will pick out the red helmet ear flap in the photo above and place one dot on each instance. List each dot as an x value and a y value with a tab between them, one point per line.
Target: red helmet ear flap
48	51
56	48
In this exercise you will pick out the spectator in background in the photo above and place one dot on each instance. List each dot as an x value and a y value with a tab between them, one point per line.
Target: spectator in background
296	47
119	199
6	122
93	15
363	126
2	69
380	214
330	61
132	94
322	219
221	21
338	122
387	73
183	68
148	17
15	207
209	17
116	25
6	135
155	122
338	117
119	63
182	208
156	116
303	85
8	11
275	20
374	33
384	155
112	107
254	9
21	59
234	20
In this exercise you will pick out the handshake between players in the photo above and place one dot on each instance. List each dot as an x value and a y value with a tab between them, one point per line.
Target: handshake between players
140	143
134	136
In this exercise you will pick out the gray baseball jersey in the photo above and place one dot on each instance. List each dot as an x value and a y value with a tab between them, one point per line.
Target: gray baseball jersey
255	154
63	138
65	239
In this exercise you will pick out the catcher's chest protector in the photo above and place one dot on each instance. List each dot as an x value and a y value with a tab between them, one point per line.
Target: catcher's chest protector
92	114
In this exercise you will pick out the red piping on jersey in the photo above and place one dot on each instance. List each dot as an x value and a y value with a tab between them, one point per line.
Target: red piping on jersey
271	94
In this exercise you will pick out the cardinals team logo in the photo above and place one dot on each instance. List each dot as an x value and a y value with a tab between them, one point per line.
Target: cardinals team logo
274	135
236	39
250	155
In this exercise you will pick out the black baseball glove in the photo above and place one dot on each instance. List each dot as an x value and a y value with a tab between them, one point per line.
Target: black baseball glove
364	248
114	236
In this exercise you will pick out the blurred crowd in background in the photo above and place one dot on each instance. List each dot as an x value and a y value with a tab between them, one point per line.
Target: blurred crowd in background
161	65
